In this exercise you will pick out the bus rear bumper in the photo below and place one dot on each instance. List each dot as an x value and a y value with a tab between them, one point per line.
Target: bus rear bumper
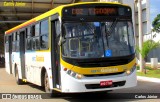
92	84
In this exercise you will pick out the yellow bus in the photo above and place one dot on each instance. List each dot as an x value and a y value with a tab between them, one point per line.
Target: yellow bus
81	47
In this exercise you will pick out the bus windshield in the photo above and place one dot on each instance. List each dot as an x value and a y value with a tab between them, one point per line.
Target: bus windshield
98	39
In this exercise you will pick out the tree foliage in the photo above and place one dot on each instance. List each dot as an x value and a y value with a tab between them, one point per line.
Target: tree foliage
148	46
156	24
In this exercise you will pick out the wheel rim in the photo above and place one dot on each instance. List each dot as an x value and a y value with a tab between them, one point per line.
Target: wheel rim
47	89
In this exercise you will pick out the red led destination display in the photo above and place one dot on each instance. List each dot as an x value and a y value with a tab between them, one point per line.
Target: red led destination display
93	11
96	10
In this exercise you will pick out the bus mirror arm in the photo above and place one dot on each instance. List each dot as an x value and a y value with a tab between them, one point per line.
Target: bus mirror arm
61	40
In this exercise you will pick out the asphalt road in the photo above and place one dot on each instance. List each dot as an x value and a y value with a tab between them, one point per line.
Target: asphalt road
8	85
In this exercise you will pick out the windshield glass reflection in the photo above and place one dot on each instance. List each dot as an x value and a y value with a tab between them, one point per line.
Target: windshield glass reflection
98	39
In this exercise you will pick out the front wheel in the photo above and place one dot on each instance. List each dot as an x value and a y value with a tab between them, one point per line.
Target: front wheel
50	92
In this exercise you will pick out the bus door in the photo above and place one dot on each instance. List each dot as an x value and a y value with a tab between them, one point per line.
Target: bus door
55	52
10	53
22	52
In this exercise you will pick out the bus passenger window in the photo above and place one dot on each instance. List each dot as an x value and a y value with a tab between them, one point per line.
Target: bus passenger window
37	30
29	44
13	42
6	44
6	39
34	44
17	36
44	34
13	36
7	47
29	33
44	27
17	42
33	30
44	41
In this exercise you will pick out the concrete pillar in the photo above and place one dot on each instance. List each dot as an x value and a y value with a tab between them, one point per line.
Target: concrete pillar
140	34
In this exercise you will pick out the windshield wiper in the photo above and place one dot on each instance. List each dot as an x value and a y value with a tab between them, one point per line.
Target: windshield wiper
111	27
108	32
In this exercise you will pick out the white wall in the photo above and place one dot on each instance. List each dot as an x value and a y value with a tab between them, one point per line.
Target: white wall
153	36
145	17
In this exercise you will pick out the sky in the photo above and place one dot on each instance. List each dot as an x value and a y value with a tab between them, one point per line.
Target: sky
154	9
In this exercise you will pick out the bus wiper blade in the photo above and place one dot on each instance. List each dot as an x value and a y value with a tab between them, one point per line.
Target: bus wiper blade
110	30
111	27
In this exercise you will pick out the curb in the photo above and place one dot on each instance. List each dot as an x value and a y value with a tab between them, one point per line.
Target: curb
156	80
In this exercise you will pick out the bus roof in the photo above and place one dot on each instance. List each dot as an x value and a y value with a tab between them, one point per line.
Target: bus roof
51	12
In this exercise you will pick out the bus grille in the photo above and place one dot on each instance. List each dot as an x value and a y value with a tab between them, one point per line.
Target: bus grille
101	63
108	74
97	86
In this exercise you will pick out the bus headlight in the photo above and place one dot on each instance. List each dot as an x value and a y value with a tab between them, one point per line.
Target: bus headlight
79	76
74	74
128	72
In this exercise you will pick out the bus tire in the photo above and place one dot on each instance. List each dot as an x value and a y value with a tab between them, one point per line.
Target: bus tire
18	81
50	93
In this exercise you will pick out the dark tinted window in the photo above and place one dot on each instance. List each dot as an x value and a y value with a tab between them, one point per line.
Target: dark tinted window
33	30
44	34
37	29
6	39
29	44
17	42
44	27
44	41
17	36
7	47
29	34
36	43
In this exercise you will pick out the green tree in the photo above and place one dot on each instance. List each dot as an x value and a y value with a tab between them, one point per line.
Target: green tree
156	24
148	46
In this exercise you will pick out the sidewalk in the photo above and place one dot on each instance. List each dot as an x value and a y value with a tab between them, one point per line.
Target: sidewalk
156	80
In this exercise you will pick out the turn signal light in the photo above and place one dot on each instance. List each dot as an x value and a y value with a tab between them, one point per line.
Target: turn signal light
65	69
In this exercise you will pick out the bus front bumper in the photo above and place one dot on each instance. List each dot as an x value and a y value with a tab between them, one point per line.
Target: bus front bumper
91	84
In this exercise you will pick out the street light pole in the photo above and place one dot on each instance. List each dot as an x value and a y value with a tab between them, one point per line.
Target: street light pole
140	34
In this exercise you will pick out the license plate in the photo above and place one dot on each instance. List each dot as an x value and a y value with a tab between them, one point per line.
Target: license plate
106	83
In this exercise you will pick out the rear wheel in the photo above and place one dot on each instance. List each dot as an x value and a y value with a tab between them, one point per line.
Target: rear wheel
18	81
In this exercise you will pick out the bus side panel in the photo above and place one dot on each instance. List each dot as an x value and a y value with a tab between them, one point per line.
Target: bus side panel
43	59
35	61
30	58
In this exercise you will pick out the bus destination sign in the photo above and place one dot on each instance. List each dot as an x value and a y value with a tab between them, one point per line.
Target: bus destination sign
94	11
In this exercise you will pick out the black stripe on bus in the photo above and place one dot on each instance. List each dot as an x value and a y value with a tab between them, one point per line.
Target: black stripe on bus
99	62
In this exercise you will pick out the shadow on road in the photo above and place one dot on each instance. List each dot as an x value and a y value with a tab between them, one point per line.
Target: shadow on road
2	66
87	97
36	86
